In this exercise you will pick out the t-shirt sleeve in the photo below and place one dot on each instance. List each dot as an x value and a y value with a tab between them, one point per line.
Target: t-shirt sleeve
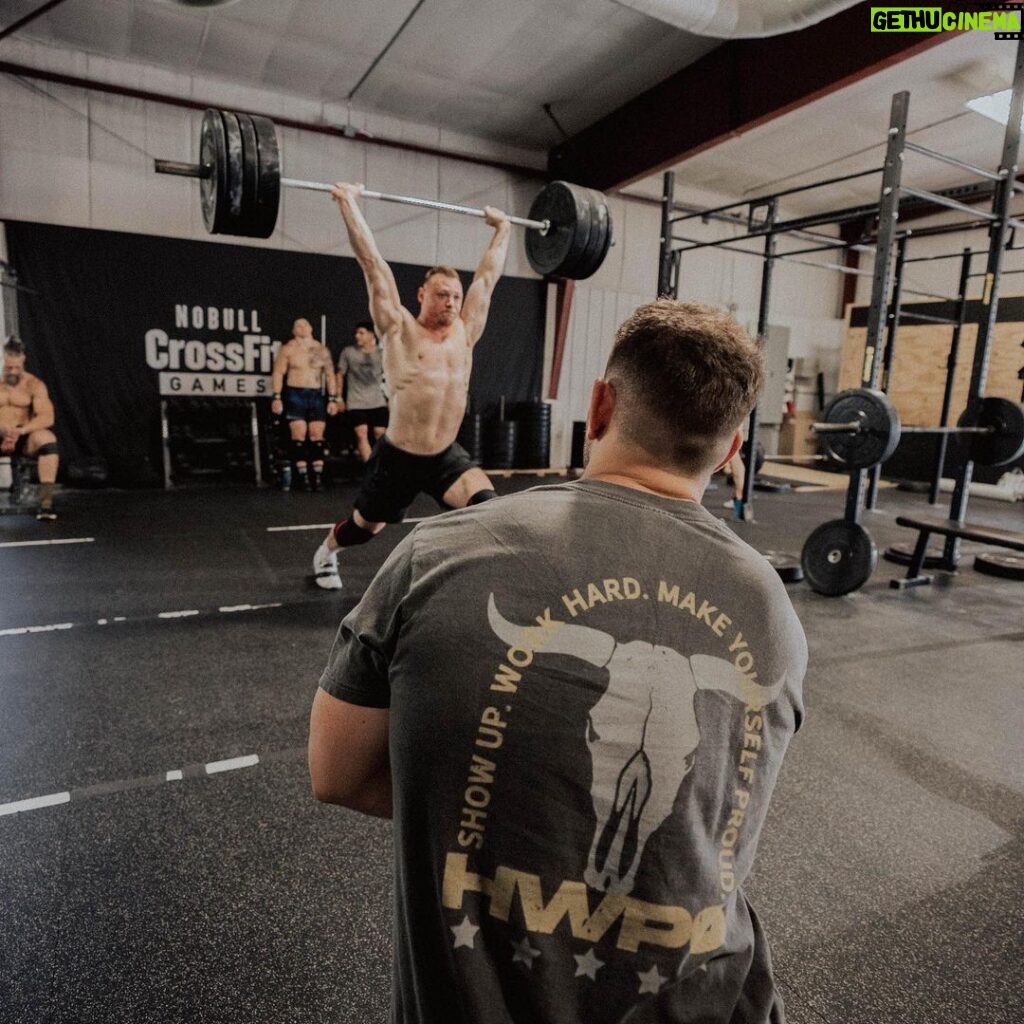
357	668
343	360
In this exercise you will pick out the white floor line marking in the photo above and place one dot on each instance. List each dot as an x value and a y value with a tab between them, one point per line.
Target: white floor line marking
34	543
312	526
173	775
185	613
327	526
18	630
232	763
34	803
227	608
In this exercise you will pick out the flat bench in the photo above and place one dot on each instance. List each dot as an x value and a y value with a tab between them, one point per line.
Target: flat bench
927	525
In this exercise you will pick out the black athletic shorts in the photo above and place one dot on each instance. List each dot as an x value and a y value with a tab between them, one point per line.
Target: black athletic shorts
377	417
394	477
307	404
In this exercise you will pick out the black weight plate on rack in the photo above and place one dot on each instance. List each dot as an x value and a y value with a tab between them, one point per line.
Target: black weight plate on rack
903	554
1003	446
567	208
268	195
250	175
213	157
758	456
786	565
1006	565
235	184
838	557
878	433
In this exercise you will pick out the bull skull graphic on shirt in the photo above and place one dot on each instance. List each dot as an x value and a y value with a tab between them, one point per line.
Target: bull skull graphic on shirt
642	734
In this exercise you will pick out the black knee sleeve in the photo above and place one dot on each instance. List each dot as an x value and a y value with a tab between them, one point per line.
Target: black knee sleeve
349	533
482	496
48	449
317	450
298	451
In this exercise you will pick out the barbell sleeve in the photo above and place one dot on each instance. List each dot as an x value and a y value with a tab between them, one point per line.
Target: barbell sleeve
182	169
542	226
852	427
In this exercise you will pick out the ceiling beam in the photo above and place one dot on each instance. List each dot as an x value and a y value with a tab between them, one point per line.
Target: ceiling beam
31	16
736	87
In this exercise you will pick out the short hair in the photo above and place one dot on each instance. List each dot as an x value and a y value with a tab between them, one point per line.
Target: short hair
14	346
685	376
367	325
444	270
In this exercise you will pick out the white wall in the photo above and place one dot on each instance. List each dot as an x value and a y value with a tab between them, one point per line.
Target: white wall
941	277
84	158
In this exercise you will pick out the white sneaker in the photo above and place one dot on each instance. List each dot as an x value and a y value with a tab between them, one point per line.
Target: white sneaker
325	568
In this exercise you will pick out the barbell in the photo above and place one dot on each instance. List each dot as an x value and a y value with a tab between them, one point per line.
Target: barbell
861	429
569	229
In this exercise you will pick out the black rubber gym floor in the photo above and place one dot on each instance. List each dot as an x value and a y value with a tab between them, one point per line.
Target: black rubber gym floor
179	870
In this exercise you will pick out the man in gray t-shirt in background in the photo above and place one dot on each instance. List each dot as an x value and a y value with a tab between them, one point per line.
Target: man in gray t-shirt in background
362	366
574	702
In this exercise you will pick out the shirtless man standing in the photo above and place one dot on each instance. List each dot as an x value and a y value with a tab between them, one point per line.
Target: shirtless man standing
427	362
300	366
26	416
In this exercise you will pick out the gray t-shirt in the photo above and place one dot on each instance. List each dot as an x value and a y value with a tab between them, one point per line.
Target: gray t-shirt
591	690
365	374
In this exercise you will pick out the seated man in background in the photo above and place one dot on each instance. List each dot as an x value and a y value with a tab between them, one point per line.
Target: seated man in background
574	703
297	382
26	419
362	364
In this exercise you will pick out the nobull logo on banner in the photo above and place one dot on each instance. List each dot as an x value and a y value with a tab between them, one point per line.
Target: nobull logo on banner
234	363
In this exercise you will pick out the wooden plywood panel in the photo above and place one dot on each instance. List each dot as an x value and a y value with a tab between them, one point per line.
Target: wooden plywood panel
919	368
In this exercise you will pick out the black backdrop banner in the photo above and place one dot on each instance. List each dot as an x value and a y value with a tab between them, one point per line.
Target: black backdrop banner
118	320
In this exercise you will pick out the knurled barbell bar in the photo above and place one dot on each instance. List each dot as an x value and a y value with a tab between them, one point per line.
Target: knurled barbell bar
569	229
861	429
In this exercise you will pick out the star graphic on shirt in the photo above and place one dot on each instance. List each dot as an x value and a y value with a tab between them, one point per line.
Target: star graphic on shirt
587	965
464	933
524	953
650	981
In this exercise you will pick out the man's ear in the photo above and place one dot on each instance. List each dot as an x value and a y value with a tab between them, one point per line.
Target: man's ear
602	404
737	442
419	295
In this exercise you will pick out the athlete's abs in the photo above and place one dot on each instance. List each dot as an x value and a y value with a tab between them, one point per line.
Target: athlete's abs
428	382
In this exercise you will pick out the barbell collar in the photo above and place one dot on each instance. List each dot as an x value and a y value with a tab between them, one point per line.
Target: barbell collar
543	226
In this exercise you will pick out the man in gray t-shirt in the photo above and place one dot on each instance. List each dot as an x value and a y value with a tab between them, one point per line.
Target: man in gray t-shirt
361	365
574	702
